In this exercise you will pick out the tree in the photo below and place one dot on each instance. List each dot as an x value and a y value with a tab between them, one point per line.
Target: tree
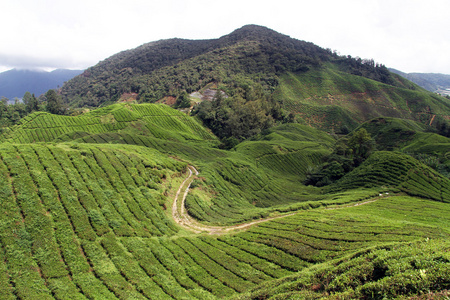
3	106
248	118
54	103
361	144
348	153
30	101
183	100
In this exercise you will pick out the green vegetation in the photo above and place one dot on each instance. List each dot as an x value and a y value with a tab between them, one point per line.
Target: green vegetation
296	196
296	80
86	217
86	212
158	121
153	71
54	103
244	115
10	114
58	200
398	172
333	100
400	271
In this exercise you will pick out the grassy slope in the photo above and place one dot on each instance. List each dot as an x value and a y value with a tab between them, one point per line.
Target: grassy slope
244	180
328	98
411	138
239	183
91	219
57	201
370	274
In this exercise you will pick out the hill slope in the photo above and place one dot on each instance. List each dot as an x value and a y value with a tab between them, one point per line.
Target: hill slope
397	171
89	221
158	69
329	98
369	275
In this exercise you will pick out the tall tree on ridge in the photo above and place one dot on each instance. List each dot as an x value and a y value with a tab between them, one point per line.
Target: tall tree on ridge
54	102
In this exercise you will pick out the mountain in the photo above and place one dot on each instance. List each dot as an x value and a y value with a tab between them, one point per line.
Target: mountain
165	67
433	82
191	63
15	83
313	85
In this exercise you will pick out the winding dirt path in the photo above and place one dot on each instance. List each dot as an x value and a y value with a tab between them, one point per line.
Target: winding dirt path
181	216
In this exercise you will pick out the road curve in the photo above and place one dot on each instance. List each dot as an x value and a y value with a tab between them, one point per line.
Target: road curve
181	216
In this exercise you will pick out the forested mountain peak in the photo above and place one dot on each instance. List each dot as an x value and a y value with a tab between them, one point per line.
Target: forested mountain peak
288	77
253	32
261	50
153	55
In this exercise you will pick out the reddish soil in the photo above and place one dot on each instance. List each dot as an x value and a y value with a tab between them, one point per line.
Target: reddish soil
168	100
128	97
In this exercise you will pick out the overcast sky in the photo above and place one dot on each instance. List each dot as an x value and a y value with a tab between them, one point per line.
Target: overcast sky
409	35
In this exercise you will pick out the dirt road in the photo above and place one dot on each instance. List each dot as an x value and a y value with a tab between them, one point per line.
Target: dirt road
181	216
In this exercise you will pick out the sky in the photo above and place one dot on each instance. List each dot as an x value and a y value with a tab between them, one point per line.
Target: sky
408	35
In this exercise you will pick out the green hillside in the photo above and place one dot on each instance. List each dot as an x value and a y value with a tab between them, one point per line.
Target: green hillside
166	67
88	212
406	136
158	121
411	138
331	99
398	172
370	274
92	221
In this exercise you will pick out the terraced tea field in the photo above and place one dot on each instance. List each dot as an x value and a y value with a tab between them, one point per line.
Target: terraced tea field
98	216
93	222
328	98
153	120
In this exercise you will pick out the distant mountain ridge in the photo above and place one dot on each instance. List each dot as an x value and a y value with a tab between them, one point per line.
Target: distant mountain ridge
15	83
433	82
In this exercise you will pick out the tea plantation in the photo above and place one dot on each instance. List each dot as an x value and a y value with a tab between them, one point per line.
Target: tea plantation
86	213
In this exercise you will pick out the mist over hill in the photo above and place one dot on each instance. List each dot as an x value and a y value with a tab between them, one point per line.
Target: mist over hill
15	83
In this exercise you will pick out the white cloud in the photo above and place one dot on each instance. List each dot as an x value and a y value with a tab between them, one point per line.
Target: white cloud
410	35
